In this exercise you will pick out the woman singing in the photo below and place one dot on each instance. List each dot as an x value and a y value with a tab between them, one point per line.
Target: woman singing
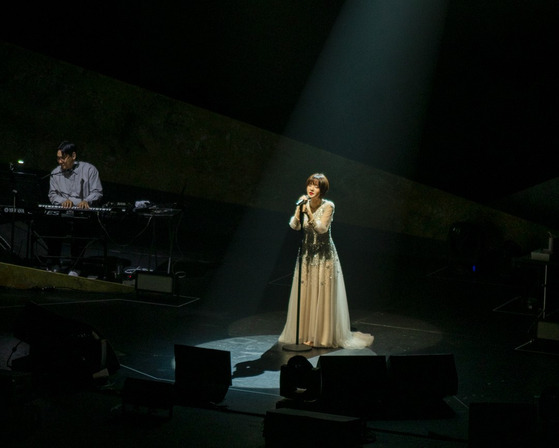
324	315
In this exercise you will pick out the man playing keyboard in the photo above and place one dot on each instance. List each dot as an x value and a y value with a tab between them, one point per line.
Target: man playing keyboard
74	183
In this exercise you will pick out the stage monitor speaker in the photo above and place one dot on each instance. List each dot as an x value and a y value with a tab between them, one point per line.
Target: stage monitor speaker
502	424
305	429
142	396
159	283
419	383
353	385
63	347
202	375
548	330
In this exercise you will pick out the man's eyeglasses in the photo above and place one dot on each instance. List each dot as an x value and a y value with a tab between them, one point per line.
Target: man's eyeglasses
62	157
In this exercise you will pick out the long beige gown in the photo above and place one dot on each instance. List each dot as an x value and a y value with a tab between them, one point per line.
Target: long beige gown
324	316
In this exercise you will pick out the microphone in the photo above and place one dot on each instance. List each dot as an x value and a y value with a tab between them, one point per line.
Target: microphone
52	174
57	174
301	201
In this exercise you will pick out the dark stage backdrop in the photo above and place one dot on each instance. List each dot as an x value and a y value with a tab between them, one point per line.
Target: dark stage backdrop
148	141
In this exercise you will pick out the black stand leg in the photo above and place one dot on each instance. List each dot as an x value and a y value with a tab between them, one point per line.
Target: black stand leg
12	236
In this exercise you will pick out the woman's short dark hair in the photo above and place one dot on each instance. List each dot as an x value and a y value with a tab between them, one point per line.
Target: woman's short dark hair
67	148
321	181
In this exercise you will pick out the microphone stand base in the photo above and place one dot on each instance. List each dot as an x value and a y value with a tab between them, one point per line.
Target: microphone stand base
297	348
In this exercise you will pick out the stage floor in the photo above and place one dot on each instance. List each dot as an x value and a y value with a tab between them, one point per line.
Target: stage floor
412	304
